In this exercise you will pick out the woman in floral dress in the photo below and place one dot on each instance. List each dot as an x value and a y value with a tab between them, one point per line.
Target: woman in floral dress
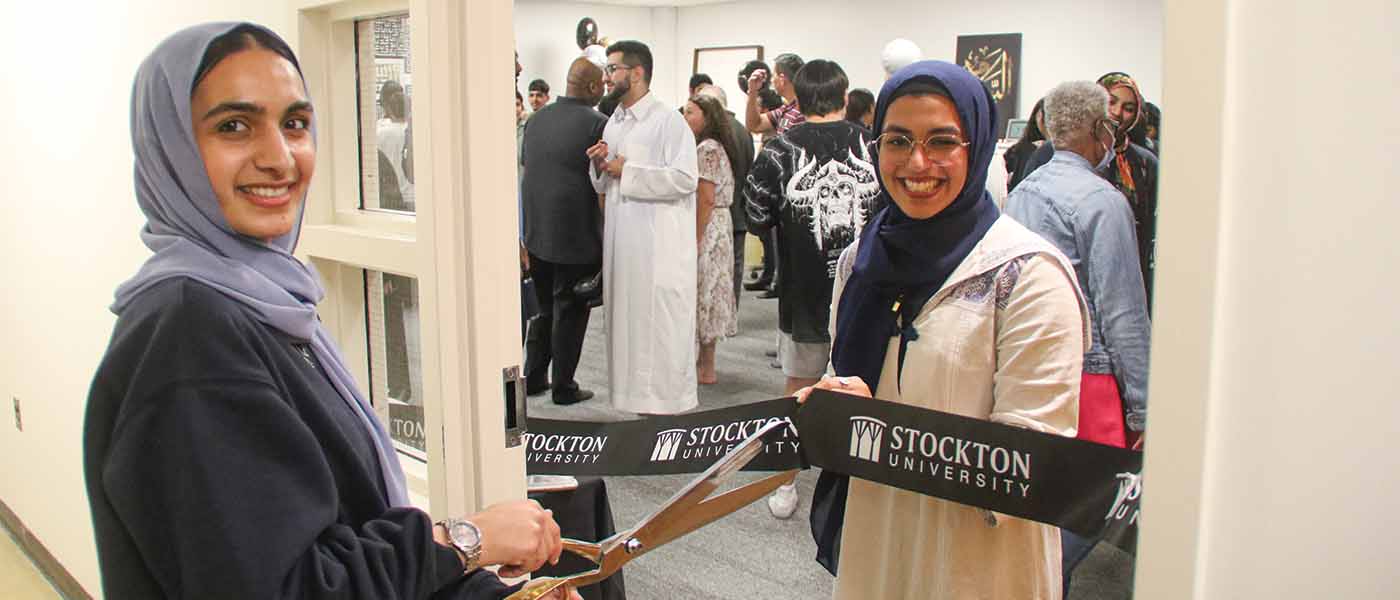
716	316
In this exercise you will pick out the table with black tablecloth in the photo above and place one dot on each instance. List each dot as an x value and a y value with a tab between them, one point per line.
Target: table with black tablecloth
583	514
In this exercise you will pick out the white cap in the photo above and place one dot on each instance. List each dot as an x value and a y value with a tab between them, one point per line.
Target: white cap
899	53
597	55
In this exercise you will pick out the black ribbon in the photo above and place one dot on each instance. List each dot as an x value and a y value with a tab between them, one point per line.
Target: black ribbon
665	445
1087	488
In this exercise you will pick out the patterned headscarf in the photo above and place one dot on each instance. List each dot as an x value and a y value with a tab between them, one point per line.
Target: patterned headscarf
1110	82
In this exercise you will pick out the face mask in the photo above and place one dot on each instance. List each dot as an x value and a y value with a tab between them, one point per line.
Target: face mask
1107	160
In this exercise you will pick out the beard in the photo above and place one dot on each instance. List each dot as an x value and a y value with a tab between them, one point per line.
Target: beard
618	91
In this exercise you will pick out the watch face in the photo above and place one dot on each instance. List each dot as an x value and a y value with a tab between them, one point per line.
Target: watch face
464	534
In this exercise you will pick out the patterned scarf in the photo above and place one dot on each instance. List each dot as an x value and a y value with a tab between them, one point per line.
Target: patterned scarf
1125	182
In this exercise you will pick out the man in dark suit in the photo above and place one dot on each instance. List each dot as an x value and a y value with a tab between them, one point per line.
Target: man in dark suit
563	230
740	165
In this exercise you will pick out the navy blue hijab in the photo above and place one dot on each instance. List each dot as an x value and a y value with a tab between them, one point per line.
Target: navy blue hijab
905	260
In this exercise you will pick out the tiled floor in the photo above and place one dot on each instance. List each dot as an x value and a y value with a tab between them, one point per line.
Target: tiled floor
19	578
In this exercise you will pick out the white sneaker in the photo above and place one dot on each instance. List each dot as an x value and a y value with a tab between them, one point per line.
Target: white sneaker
783	502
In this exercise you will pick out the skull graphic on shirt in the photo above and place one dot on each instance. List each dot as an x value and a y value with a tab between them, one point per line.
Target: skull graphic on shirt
834	198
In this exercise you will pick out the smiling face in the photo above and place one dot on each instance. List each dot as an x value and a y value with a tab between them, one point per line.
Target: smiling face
252	125
695	118
919	187
628	81
1123	107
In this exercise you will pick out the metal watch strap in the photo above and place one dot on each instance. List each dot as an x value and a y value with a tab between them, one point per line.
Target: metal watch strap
471	556
462	556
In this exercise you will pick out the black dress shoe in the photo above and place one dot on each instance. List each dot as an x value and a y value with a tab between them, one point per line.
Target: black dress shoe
573	396
769	293
773	353
757	285
533	389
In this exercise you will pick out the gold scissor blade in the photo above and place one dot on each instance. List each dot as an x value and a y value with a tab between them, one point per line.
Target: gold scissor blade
683	513
676	510
678	513
720	506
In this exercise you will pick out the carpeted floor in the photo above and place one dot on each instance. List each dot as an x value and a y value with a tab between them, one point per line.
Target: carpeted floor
749	554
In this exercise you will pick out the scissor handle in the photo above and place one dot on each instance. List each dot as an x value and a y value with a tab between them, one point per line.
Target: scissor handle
537	588
589	550
540	586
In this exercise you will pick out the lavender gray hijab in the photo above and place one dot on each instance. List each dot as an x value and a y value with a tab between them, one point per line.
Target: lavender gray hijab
190	237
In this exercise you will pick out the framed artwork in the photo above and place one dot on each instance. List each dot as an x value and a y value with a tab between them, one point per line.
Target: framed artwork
722	64
996	60
1015	128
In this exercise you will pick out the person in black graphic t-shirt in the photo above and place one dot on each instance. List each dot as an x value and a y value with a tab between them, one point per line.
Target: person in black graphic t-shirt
816	183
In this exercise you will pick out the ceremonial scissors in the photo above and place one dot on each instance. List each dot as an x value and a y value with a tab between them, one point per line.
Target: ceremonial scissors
685	512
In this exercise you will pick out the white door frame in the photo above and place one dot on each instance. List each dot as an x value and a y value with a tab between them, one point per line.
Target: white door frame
1194	56
460	245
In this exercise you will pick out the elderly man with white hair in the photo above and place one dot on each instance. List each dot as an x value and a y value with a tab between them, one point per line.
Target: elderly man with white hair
1089	220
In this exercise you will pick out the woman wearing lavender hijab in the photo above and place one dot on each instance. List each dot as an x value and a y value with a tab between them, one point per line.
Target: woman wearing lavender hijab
227	451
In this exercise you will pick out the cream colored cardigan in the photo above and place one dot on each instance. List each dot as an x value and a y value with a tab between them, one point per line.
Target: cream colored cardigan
1003	340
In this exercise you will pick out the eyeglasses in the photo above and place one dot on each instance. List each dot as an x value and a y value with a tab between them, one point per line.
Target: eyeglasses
938	149
613	68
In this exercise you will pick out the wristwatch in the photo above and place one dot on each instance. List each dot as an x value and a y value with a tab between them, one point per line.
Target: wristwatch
466	538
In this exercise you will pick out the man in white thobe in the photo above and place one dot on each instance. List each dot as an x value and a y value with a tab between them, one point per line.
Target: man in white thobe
645	169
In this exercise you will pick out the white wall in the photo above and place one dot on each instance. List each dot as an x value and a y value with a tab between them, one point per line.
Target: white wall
544	36
1060	39
68	233
1277	387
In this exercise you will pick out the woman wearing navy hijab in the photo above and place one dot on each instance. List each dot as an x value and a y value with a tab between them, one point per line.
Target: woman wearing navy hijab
944	304
227	451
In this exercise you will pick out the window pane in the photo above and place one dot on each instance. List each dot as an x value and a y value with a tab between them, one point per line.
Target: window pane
396	366
385	85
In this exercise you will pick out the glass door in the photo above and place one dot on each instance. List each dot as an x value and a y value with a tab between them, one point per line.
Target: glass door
419	279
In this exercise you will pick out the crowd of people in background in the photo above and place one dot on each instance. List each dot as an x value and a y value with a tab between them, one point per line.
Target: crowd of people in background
848	190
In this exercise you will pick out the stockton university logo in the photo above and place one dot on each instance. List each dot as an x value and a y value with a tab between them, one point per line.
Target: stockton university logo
866	435
668	443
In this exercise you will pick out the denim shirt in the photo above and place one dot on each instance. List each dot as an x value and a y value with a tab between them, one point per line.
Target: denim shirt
1092	224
